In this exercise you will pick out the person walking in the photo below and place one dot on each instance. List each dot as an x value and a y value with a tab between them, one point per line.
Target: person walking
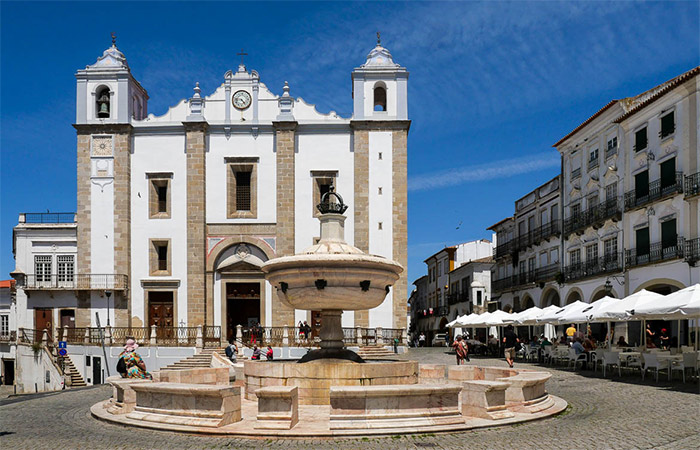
510	340
460	350
421	340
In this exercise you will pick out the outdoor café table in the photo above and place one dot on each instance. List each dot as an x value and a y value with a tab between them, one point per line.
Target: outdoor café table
626	355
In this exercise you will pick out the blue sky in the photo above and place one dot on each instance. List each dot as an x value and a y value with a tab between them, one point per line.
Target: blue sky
492	85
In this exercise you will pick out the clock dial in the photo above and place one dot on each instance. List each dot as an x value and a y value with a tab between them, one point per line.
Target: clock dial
241	100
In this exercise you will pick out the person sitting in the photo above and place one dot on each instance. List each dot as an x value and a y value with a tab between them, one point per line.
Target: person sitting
578	347
256	353
493	345
135	367
232	351
544	342
622	342
269	354
588	345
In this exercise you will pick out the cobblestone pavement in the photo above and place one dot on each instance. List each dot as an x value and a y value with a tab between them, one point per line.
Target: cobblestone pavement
603	413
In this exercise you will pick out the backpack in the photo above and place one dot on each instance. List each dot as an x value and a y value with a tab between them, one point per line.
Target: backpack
121	366
229	351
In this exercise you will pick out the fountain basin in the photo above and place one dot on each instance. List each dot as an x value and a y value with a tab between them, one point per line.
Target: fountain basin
315	378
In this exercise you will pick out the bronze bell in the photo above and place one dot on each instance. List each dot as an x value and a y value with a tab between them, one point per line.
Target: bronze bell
103	103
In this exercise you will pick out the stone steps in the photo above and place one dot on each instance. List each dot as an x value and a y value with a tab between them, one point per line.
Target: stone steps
75	377
201	359
374	352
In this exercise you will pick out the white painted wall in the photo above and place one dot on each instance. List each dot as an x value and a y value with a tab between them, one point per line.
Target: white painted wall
380	211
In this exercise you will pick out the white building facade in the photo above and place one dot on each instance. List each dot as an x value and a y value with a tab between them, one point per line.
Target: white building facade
176	213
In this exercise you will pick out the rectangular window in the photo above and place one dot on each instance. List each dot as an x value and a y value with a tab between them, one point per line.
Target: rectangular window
592	200
612	145
669	237
640	139
641	185
554	256
543	259
479	299
530	223
575	209
241	182
554	212
544	217
610	247
575	257
521	267
592	253
243	191
42	267
593	156
668	173
642	241
611	191
66	267
5	325
668	125
521	228
531	264
160	257
159	195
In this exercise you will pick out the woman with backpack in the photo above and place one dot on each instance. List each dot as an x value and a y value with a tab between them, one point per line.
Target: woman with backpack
130	364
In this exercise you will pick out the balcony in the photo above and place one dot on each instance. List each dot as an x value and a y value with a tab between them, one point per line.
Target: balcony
655	193
610	151
502	284
594	216
76	282
605	264
576	173
537	235
692	251
546	273
441	310
593	163
657	252
460	297
505	248
691	186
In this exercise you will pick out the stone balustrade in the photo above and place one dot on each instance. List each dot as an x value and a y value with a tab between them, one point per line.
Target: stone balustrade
198	405
386	407
278	407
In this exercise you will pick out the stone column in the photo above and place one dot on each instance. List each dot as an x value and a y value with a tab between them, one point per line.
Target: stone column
239	338
84	226
361	204
196	143
285	145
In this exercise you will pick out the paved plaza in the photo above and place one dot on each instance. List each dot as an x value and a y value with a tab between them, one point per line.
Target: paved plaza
603	413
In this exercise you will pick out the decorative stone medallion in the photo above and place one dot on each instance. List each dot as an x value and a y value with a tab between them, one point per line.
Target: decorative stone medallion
102	146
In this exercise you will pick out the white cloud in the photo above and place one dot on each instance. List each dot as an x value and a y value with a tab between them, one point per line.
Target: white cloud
482	172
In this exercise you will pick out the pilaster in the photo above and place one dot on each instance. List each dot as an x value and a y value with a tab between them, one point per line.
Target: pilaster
400	223
285	148
196	142
361	204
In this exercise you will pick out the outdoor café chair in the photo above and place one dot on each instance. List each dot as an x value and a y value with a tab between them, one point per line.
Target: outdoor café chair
575	359
651	361
612	359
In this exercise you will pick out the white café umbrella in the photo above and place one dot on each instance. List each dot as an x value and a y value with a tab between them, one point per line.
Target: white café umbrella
453	323
614	311
584	315
677	305
463	321
571	310
477	320
497	318
528	316
554	315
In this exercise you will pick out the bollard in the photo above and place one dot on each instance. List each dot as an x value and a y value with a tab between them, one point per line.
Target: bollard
154	341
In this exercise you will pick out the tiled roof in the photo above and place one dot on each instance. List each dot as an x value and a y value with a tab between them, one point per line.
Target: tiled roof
499	223
586	122
635	104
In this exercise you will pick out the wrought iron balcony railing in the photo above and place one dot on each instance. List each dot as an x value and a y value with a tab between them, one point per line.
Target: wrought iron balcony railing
546	273
504	249
593	163
655	192
610	151
605	264
459	297
576	173
537	235
79	282
656	252
692	251
594	215
692	185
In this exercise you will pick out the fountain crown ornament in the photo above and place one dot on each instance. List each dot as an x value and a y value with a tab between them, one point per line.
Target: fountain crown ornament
328	205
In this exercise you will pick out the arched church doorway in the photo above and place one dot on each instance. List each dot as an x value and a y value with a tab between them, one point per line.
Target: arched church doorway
242	287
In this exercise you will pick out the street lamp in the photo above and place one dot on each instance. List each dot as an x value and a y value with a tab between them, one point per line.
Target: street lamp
108	294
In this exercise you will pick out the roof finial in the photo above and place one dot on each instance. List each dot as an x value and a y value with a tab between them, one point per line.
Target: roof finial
242	54
379	39
114	39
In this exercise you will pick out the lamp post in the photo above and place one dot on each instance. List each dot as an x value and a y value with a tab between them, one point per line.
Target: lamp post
108	294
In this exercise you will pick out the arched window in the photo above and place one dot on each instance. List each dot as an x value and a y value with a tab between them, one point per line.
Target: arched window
102	100
380	97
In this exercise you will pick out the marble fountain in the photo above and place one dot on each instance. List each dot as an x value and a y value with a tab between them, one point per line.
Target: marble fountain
330	391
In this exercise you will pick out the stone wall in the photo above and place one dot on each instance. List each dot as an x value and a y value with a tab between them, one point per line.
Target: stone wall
400	223
361	204
196	139
284	147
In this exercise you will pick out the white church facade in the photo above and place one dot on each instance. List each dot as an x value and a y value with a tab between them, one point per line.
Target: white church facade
176	213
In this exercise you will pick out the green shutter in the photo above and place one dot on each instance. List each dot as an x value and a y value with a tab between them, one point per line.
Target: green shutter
668	173
642	236
641	184
669	237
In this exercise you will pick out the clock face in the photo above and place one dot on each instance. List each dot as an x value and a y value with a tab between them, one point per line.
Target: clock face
241	100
